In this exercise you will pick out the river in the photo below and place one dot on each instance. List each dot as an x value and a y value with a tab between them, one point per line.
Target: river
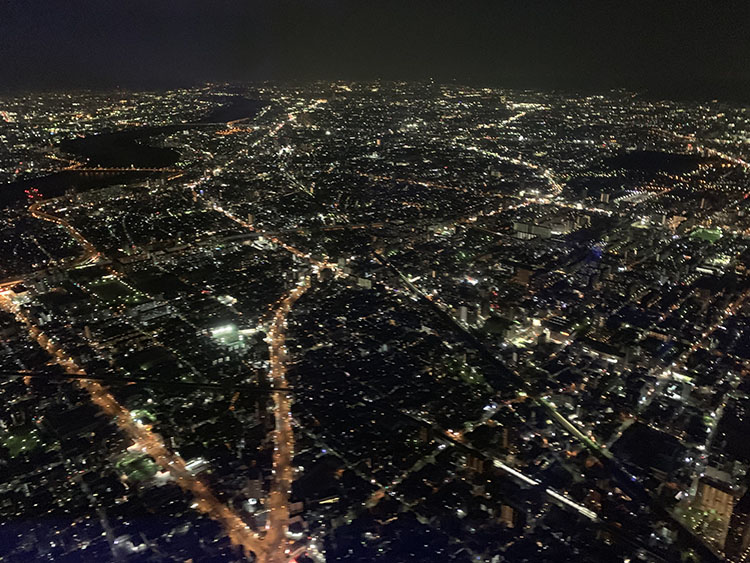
120	149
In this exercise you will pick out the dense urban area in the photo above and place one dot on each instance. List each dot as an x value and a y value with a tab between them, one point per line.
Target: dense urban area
354	322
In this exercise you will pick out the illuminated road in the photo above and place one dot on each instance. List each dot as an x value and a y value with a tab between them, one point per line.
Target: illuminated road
153	445
276	545
694	141
148	442
273	547
98	169
278	498
276	548
544	173
90	254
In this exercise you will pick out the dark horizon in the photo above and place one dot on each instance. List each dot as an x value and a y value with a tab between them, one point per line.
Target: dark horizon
688	51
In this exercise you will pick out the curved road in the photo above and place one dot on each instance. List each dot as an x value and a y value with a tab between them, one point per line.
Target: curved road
90	254
278	500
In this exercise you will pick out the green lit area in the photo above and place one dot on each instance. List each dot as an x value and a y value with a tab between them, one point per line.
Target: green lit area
136	466
143	415
21	441
710	235
114	292
720	260
457	367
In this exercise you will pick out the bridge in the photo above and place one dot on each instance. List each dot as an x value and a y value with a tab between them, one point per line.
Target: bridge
114	170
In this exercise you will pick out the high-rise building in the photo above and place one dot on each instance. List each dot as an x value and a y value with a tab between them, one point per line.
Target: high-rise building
474	463
507	515
463	313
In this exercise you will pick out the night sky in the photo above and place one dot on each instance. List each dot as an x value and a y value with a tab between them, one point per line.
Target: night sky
679	49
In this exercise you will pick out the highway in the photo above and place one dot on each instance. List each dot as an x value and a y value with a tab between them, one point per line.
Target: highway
89	256
78	167
540	171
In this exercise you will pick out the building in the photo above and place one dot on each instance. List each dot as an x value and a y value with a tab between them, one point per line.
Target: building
716	499
738	536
